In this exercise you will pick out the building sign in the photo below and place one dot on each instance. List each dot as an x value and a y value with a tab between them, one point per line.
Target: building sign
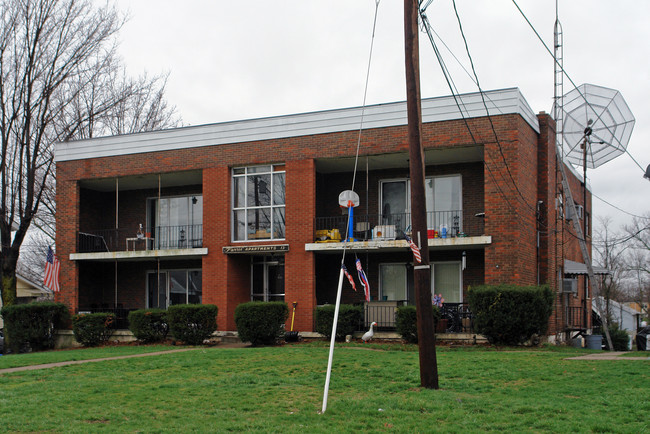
274	248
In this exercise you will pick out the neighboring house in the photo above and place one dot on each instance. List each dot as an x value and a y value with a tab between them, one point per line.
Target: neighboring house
248	210
27	291
625	316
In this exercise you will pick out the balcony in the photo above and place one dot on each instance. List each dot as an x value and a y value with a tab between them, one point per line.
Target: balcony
387	231
104	244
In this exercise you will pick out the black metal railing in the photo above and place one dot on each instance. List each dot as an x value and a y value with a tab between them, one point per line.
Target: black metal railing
394	226
575	318
454	317
161	237
121	315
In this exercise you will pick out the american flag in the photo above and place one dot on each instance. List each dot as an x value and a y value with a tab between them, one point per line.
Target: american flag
350	279
415	249
51	280
364	280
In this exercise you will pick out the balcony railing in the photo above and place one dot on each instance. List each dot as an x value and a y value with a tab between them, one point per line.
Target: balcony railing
162	237
394	226
454	317
575	318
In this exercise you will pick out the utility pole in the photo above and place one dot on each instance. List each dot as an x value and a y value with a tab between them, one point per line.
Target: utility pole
422	271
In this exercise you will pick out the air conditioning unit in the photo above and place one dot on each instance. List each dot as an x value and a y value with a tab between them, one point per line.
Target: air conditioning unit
579	210
383	232
570	286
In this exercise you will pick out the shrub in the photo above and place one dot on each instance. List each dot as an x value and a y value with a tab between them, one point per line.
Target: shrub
406	322
261	322
92	329
349	319
149	325
509	314
32	325
192	323
620	338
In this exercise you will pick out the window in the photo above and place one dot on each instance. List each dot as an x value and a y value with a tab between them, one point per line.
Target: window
446	280
443	200
267	278
258	203
393	282
173	287
177	222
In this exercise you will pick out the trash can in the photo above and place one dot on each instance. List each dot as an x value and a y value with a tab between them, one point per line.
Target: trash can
642	339
594	342
576	342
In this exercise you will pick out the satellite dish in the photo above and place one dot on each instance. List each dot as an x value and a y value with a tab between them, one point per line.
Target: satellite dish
607	135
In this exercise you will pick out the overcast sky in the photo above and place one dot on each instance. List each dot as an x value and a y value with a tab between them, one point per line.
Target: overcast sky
240	60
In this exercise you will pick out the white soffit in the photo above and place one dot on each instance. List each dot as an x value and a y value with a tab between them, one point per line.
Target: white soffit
499	102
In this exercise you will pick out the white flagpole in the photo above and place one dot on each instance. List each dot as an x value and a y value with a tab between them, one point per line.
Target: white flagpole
331	356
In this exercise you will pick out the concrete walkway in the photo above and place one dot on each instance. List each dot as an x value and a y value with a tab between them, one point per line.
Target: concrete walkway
78	362
608	355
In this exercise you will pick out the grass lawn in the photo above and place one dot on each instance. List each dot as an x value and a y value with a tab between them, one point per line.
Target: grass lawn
373	388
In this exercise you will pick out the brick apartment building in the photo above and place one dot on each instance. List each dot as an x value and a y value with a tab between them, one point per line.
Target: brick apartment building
248	210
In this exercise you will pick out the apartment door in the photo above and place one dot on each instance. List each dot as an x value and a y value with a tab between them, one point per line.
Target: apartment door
267	278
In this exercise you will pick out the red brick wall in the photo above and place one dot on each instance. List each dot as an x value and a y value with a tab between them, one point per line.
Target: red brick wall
299	265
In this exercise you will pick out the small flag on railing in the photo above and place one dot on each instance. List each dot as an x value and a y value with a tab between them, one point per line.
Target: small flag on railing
350	279
415	249
364	280
51	280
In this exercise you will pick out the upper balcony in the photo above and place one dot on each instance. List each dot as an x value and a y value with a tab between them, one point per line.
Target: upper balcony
141	218
183	240
446	230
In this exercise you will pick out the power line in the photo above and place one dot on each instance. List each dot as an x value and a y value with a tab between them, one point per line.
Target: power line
496	137
620	209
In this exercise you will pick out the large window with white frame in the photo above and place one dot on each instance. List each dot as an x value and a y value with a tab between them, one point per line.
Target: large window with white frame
258	203
446	279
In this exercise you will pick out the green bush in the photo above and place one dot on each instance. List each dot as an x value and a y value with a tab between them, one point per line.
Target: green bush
260	322
350	317
149	325
620	338
92	329
192	323
32	325
509	314
406	322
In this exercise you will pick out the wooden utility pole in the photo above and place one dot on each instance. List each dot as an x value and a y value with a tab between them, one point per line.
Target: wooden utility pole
421	271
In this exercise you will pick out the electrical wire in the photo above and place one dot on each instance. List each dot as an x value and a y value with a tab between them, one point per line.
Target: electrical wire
496	137
454	91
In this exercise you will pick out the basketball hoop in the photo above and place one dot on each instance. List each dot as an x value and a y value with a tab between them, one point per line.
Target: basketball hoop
348	198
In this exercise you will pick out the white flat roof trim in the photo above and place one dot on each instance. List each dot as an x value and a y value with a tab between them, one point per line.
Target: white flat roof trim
505	101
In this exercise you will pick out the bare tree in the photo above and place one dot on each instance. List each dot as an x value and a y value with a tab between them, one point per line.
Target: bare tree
60	80
610	249
639	261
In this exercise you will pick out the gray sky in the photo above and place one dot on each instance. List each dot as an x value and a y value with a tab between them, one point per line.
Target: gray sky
240	60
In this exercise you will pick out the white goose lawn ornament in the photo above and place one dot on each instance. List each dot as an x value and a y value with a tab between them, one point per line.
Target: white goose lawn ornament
369	334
